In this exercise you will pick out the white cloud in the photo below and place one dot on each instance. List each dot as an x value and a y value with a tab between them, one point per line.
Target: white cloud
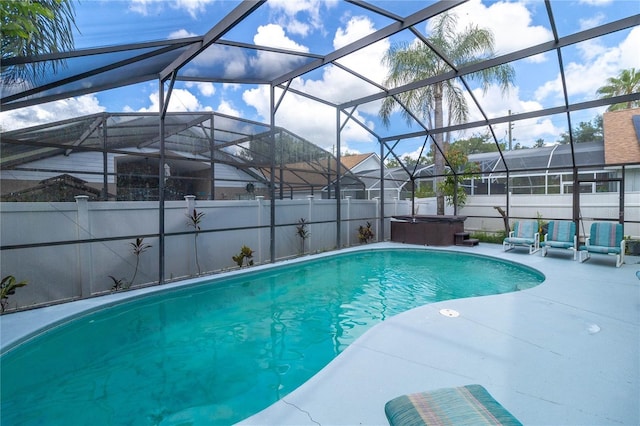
596	2
596	63
357	27
142	6
273	35
182	33
551	87
628	56
232	62
495	104
205	89
50	112
270	64
591	22
315	122
510	23
366	61
590	50
415	154
300	17
227	108
337	85
150	7
181	100
193	7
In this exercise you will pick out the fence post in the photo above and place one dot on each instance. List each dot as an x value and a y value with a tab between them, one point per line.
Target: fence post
348	198
310	198
191	205
377	221
259	199
84	251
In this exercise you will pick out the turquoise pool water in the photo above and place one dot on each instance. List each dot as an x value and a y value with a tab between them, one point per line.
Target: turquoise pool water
219	352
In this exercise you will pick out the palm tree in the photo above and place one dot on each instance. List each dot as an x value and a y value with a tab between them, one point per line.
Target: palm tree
29	28
627	83
409	62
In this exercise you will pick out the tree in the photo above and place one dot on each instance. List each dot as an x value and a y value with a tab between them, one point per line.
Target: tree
627	82
451	186
518	145
30	28
392	163
476	144
539	143
413	62
586	131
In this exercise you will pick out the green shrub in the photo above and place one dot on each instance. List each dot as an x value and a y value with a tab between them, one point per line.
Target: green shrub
490	237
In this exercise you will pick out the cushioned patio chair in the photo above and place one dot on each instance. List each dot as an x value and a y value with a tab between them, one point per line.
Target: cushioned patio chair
604	238
465	405
525	233
561	234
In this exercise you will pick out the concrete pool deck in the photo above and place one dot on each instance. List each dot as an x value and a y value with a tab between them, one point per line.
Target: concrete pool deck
566	352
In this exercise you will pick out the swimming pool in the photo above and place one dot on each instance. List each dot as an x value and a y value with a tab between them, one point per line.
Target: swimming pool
218	352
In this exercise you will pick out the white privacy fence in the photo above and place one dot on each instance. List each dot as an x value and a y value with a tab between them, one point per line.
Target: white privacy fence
483	216
71	250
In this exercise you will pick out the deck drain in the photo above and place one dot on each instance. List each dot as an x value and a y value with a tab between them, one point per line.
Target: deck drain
449	313
593	328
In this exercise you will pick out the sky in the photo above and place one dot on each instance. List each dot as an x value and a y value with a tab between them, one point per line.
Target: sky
321	26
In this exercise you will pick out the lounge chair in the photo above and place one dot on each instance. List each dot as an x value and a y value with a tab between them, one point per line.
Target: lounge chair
604	238
561	234
465	405
525	233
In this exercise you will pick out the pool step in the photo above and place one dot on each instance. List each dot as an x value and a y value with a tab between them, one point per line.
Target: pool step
462	239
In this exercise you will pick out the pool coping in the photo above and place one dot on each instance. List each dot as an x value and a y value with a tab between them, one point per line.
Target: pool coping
416	350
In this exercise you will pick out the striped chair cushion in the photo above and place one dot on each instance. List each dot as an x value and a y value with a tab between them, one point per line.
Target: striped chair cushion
560	234
561	230
525	228
606	237
557	244
516	240
466	405
523	233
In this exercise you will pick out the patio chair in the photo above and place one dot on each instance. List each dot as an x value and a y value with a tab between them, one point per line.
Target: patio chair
561	234
604	238
525	233
464	405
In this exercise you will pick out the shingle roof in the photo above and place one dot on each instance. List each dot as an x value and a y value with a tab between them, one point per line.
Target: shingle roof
621	138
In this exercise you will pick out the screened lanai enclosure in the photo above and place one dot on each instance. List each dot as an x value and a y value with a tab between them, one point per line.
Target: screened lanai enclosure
103	200
118	157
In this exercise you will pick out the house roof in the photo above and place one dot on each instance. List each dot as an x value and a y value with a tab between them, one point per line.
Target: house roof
351	161
621	137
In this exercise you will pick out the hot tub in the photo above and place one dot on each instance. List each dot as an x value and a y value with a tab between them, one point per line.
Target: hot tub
428	230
